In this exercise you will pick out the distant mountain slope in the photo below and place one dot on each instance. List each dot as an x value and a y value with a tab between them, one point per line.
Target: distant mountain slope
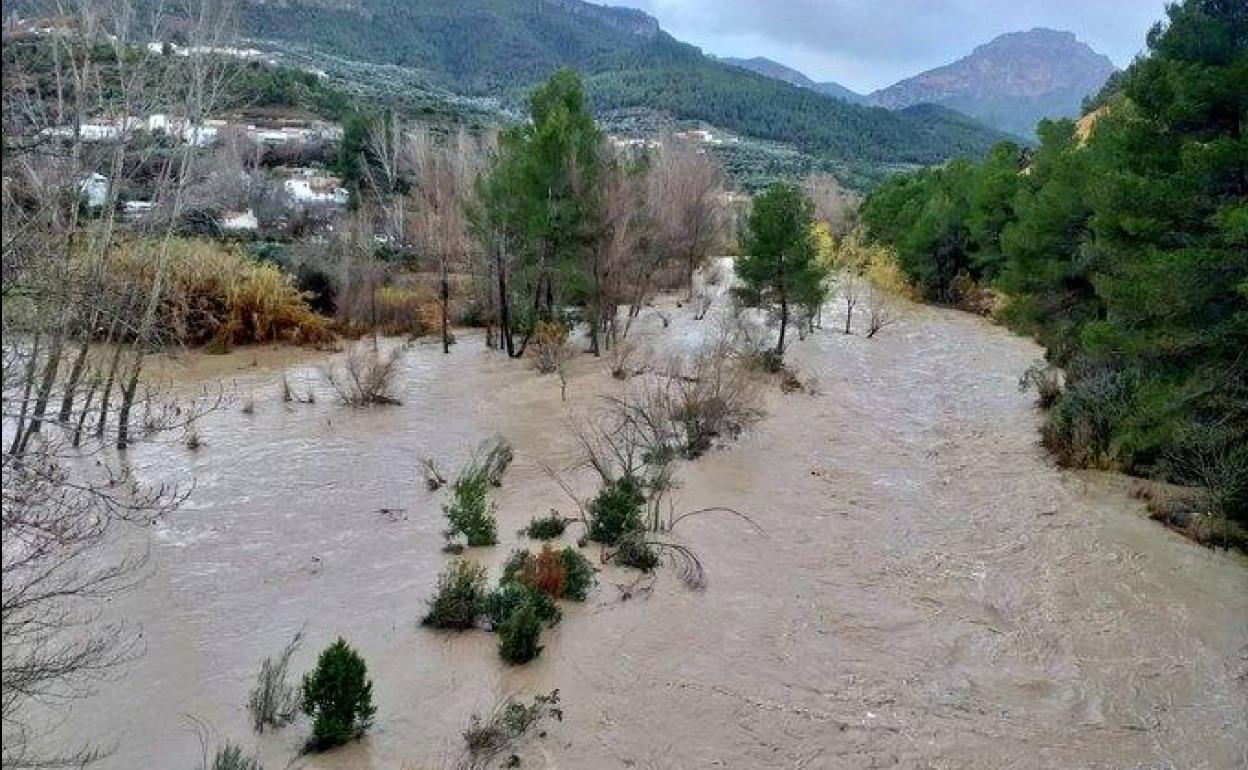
1011	82
476	46
760	107
771	69
838	91
501	47
777	71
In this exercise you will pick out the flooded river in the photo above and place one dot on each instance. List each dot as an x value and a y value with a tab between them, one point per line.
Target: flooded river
930	592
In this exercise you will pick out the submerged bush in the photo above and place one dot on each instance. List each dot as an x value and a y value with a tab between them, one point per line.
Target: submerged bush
230	756
274	702
365	376
633	551
493	458
519	635
579	580
560	574
470	510
459	597
217	294
616	510
550	346
489	737
546	527
511	595
338	696
1083	421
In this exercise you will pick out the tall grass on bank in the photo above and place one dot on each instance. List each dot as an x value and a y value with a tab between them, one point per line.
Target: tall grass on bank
217	295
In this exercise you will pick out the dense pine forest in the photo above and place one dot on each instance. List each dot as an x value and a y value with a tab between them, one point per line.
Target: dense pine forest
1121	243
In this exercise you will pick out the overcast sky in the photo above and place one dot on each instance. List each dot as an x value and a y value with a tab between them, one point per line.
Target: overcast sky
868	44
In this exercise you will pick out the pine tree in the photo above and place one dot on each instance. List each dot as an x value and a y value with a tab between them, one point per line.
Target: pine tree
338	695
781	269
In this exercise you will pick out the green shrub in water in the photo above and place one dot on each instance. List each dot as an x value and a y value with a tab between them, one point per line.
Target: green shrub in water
579	579
338	696
616	510
633	551
459	597
511	595
470	510
546	527
519	636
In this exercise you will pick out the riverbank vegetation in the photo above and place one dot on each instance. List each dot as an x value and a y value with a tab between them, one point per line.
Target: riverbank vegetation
1120	243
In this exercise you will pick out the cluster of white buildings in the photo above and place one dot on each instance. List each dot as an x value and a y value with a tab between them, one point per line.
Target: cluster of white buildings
702	136
250	54
310	186
203	134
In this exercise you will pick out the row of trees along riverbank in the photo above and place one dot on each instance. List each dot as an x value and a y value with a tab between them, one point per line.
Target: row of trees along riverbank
1121	243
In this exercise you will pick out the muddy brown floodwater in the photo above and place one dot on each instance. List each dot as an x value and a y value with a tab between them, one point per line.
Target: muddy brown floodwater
930	591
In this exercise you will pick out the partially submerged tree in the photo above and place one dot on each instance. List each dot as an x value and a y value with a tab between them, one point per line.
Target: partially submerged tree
686	198
78	333
780	270
439	194
538	200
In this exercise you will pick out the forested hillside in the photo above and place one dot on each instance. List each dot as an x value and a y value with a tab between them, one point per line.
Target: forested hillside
759	106
1125	253
501	47
773	69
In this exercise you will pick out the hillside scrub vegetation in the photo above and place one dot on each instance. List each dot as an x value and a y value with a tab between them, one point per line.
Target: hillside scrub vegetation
1124	252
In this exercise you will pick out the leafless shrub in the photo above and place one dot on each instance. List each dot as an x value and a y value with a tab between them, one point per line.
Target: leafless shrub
706	396
365	377
880	314
550	347
493	458
217	754
678	410
850	288
273	701
702	305
623	360
434	479
510	721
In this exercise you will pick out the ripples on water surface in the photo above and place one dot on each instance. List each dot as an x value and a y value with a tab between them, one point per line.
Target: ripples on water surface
912	604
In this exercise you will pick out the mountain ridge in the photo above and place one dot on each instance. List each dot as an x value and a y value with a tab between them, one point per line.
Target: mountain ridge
1011	82
773	69
501	48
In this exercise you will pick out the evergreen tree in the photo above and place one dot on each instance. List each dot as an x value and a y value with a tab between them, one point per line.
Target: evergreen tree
1124	249
540	196
781	269
338	695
